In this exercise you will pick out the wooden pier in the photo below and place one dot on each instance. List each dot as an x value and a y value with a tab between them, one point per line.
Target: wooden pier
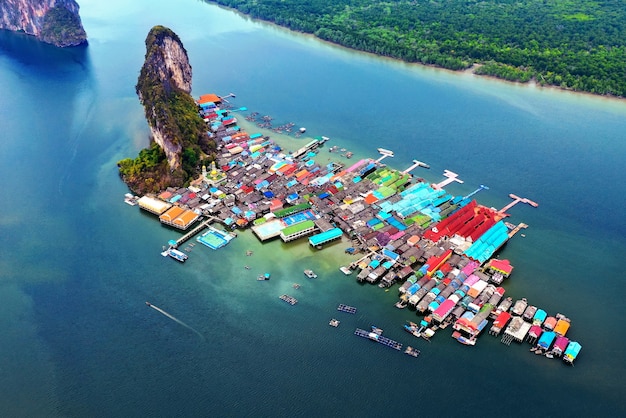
516	229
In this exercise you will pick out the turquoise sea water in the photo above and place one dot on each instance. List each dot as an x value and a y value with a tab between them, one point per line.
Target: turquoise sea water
77	264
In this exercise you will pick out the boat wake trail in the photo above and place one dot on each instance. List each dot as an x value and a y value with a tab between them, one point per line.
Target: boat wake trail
173	318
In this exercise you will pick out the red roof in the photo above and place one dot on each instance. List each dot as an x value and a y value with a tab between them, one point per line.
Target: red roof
503	266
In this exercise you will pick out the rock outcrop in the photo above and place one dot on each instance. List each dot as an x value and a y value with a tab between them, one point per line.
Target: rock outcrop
166	72
180	144
56	22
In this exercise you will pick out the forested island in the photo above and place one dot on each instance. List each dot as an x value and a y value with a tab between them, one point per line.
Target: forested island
572	44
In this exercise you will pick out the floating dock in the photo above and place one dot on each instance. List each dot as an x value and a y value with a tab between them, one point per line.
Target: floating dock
214	238
371	335
289	299
346	308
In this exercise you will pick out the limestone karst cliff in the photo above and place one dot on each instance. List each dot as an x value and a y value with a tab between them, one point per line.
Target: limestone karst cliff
56	22
180	141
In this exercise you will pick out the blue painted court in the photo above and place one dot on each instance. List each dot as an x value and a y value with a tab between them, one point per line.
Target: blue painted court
299	217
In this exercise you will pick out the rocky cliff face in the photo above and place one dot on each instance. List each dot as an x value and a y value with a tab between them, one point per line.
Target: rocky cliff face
180	143
53	21
165	74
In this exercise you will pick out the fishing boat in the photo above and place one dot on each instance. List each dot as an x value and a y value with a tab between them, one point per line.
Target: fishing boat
412	351
334	323
177	255
130	199
412	329
401	304
345	270
310	274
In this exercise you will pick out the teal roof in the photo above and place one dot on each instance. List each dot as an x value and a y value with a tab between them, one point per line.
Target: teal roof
324	237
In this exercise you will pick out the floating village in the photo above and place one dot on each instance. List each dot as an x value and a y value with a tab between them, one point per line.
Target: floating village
439	249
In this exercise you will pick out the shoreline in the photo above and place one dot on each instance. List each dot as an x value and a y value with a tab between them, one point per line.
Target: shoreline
469	71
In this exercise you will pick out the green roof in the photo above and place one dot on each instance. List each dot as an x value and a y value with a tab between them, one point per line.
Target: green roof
297	227
281	213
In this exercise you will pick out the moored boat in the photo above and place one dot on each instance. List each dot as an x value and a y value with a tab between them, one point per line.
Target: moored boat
310	274
412	351
177	255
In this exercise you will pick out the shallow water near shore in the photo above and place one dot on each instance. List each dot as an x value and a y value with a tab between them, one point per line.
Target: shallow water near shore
77	264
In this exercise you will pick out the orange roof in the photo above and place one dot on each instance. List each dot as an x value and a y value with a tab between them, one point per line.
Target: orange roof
172	214
285	168
370	198
276	204
413	240
302	173
186	218
561	327
211	97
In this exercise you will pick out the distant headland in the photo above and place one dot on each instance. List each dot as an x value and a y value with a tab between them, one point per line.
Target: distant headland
56	22
577	45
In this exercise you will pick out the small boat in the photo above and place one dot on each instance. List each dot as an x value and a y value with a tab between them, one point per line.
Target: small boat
412	351
130	199
345	270
177	255
310	274
466	341
246	267
401	304
334	323
376	330
264	276
412	329
296	286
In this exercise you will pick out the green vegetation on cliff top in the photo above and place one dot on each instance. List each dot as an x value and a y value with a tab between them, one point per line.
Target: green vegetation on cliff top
62	28
174	113
572	44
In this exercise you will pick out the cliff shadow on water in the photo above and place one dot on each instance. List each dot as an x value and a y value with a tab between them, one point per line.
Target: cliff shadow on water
29	51
59	80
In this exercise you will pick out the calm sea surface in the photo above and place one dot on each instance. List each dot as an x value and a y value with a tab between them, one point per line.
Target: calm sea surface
77	264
